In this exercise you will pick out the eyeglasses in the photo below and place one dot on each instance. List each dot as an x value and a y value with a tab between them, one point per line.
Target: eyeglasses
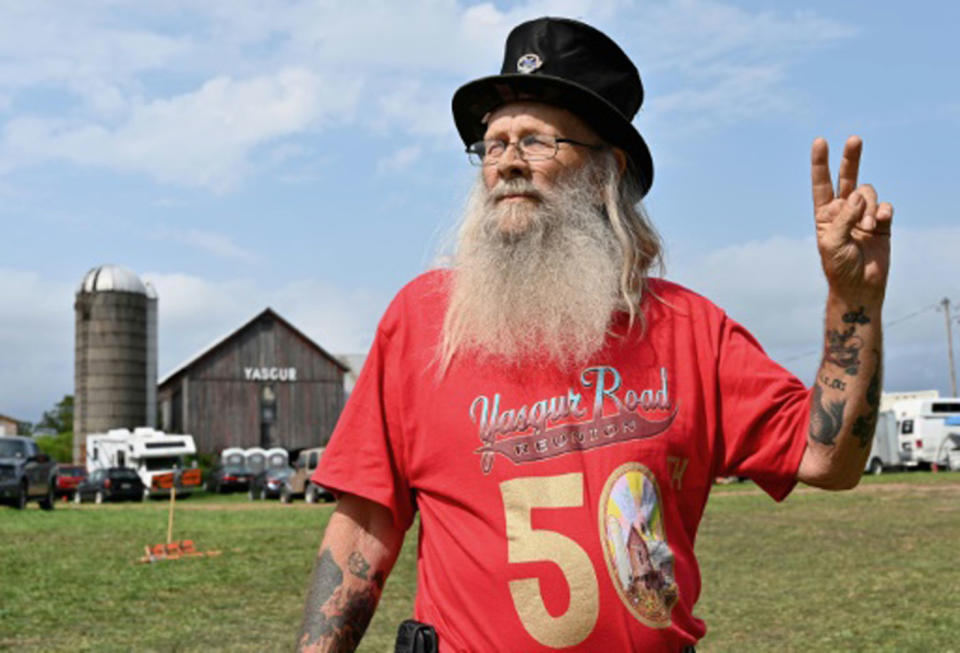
533	147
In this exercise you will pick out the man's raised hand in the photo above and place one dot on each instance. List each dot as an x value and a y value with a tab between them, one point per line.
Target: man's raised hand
853	229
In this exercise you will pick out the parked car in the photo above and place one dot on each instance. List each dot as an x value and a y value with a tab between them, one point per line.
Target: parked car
68	478
111	484
299	483
26	473
228	478
267	484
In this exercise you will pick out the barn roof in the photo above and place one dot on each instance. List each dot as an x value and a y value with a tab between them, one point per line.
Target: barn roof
221	341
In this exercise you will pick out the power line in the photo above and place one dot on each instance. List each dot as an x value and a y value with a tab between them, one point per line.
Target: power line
890	323
911	315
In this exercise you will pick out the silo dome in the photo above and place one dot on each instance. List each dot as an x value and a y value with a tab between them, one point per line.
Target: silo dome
115	278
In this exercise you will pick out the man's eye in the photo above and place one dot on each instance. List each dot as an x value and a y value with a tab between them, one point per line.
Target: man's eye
493	147
536	144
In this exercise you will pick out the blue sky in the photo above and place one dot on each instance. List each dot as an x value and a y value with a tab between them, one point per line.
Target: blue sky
301	155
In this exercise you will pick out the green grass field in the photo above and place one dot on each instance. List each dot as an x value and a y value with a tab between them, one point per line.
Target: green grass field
872	569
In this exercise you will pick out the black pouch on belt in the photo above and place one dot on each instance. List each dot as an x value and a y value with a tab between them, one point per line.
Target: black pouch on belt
416	637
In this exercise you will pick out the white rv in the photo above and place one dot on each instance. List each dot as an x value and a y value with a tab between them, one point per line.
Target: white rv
922	429
147	451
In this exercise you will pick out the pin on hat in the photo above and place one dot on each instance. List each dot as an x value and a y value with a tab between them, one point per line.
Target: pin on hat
571	65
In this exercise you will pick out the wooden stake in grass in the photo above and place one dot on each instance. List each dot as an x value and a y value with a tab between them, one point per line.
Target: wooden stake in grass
173	500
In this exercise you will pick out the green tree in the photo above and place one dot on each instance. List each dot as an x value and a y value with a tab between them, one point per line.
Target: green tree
60	417
59	447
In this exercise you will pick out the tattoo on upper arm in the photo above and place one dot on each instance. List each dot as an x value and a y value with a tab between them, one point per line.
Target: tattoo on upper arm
825	419
843	346
358	565
336	616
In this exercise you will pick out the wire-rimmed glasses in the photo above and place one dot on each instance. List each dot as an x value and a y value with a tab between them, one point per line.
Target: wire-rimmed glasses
532	147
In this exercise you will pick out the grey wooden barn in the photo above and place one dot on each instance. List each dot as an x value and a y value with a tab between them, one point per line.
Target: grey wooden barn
265	384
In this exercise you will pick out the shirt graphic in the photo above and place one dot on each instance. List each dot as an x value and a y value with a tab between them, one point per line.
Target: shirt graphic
635	544
591	427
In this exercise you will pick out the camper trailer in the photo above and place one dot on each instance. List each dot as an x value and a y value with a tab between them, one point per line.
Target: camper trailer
923	430
149	452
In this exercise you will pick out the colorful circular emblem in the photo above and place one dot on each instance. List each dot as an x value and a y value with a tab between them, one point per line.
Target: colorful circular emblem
635	544
529	62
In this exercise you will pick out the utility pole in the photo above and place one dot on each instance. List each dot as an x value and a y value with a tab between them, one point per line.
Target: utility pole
953	371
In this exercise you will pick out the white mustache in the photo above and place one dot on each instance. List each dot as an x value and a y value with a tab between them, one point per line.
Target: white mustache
518	186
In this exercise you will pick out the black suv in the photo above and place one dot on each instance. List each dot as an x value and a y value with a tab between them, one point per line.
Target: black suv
113	484
26	473
228	479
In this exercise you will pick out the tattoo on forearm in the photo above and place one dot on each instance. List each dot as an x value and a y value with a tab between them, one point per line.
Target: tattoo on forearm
825	419
865	425
863	430
843	346
335	616
856	317
358	565
873	390
843	350
835	384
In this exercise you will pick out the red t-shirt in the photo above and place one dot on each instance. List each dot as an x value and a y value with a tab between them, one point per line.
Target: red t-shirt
559	508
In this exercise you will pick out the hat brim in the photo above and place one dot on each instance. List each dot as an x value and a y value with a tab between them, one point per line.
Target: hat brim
474	100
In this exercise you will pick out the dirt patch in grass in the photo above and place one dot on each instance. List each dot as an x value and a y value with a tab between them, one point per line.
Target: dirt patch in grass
899	487
241	507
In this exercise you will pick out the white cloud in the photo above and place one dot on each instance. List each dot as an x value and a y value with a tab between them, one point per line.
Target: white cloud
776	289
186	93
36	331
731	94
399	159
194	312
203	139
211	242
725	63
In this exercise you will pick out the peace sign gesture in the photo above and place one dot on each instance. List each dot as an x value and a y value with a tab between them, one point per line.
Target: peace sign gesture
853	230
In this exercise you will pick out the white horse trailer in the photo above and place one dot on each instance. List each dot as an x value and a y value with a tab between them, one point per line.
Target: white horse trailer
147	451
885	451
923	429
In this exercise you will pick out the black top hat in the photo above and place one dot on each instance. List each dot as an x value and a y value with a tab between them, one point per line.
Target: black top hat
571	65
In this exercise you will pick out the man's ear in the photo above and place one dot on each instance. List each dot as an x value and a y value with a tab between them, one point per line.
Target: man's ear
621	157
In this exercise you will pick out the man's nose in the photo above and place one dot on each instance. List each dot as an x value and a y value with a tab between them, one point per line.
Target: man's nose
511	165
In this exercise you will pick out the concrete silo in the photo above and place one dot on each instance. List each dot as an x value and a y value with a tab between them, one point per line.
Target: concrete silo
151	356
115	354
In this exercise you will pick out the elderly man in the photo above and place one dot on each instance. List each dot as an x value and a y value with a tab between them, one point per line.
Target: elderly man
555	414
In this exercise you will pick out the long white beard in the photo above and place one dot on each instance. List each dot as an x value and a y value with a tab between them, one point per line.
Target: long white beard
534	279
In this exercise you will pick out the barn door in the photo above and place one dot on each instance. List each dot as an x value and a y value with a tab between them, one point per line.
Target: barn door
268	416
